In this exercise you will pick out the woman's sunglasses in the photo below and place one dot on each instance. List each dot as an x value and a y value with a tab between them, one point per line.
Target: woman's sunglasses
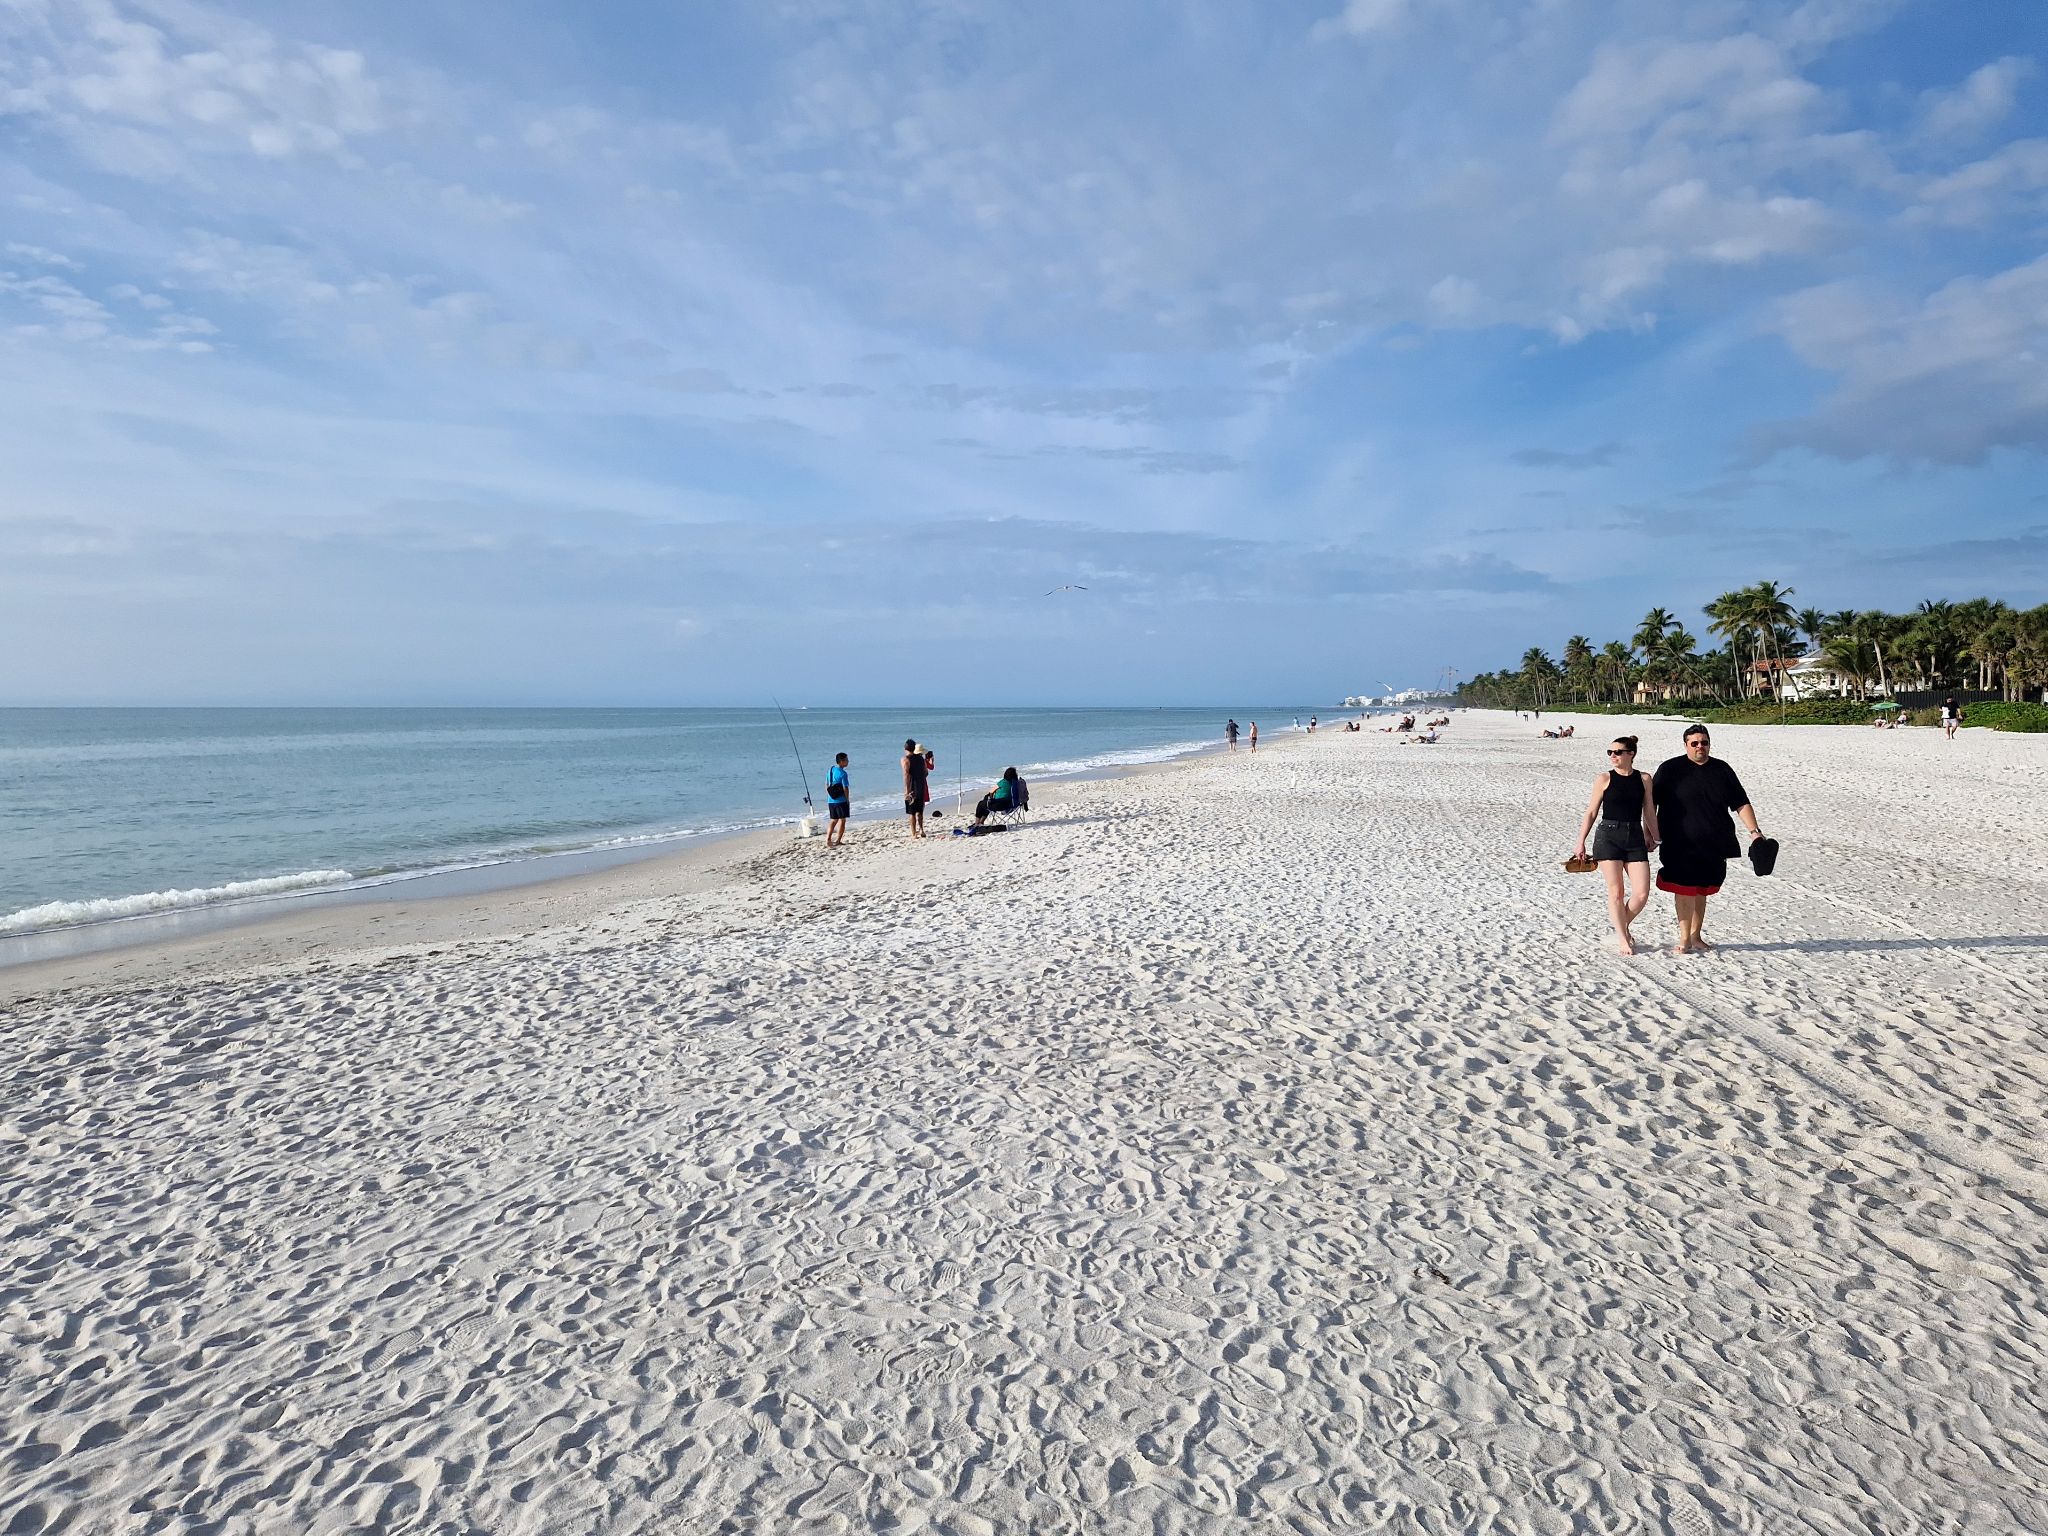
1620	751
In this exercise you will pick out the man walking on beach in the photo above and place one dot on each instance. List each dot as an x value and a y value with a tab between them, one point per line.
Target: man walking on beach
1693	795
1255	735
914	773
1230	732
838	800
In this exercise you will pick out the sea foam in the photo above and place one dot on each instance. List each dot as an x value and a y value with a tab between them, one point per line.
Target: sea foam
64	914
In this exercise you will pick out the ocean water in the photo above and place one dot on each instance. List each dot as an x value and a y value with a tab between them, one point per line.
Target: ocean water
108	814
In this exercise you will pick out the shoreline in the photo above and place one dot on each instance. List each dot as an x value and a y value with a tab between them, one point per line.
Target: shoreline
1247	1143
478	880
501	899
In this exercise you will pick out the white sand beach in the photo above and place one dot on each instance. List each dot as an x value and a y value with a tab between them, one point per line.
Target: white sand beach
1260	1144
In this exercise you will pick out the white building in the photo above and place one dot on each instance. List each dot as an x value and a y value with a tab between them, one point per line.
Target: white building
1809	677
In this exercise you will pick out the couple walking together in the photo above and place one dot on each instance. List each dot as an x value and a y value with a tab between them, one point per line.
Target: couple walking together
1683	806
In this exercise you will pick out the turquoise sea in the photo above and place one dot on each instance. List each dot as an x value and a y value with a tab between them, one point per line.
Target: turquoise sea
107	814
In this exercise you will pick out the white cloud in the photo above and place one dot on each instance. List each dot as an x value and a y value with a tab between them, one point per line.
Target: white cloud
1454	298
1947	380
1736	229
1735	83
210	79
41	256
54	308
2011	180
1817	23
1362	18
1981	102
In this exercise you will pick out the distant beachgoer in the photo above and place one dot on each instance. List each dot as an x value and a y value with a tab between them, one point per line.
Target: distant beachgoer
931	771
916	778
1311	725
1622	820
1230	733
1691	797
838	800
1255	735
1951	717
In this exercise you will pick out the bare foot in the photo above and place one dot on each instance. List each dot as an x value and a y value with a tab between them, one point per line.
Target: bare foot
1625	945
1701	946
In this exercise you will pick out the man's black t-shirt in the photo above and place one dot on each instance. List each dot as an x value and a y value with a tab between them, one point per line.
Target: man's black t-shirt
1693	802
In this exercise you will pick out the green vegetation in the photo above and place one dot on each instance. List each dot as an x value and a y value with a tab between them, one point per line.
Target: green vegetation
1981	645
2007	716
1762	712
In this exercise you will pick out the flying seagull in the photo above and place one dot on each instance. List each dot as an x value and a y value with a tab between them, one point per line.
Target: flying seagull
1069	587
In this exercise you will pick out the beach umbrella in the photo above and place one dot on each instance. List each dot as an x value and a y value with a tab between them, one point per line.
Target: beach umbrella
1886	704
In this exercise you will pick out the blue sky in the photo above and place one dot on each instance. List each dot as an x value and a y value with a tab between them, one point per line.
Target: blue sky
682	354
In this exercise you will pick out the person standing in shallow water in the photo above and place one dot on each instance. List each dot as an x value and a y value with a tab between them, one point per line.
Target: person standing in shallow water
914	779
1255	736
1622	820
1691	797
1230	733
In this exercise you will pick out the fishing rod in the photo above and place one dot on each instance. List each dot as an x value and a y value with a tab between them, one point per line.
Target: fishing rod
795	752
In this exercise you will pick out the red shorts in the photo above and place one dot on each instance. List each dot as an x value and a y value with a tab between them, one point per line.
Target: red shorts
1685	890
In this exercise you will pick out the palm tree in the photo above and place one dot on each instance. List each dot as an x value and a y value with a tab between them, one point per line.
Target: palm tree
1880	629
1985	626
1615	660
1539	670
2026	665
1578	665
1814	624
1728	617
1651	630
1772	613
1676	658
1853	657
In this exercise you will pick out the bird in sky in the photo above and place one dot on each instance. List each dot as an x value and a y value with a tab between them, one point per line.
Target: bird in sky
1069	587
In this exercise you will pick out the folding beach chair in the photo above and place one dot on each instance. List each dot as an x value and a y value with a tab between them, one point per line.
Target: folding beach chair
1017	808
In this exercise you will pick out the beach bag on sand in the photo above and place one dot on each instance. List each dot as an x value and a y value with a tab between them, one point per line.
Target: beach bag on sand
1584	866
1763	854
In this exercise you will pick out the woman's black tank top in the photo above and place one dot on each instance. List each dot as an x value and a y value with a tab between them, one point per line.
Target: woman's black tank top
1623	798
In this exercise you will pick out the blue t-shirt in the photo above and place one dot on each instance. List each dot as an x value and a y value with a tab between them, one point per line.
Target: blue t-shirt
837	785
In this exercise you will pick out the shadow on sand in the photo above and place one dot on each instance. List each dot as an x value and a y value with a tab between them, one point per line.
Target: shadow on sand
1862	946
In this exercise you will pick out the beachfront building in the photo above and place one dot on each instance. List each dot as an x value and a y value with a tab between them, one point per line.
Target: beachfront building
1805	677
1648	692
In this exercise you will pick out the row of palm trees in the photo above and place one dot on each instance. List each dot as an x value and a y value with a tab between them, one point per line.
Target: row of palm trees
1982	644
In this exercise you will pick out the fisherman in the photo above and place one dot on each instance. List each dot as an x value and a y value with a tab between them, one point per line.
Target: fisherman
838	801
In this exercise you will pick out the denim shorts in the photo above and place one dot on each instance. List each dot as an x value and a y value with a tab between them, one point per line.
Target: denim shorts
1619	840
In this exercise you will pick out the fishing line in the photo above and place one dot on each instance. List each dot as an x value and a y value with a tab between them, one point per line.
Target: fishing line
794	751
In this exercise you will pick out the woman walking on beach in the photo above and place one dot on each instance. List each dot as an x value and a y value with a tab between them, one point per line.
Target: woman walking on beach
1692	796
1622	820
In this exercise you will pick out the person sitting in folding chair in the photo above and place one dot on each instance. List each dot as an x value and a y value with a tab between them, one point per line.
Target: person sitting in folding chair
1009	796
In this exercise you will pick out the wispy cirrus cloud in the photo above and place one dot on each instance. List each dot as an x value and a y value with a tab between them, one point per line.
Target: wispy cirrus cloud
1268	289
